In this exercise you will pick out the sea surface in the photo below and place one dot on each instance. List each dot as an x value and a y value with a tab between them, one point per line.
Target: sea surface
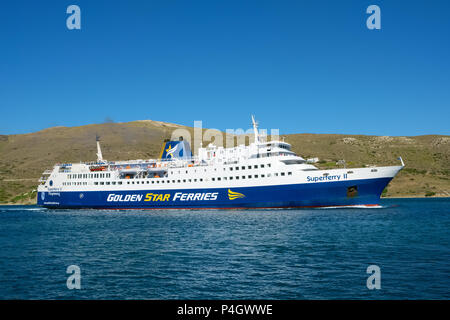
228	254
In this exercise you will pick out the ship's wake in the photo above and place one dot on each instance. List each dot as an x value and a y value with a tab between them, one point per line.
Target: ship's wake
354	207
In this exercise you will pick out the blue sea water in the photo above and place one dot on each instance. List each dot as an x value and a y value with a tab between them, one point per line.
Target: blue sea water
228	254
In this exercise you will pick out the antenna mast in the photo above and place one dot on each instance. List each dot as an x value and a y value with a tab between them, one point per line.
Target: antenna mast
255	129
99	150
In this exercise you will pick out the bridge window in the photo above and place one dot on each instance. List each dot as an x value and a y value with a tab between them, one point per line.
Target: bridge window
294	161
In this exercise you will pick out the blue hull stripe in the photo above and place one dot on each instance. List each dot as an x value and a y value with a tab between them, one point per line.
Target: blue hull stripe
281	196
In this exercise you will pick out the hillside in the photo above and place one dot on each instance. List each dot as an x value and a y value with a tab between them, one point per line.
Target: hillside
24	157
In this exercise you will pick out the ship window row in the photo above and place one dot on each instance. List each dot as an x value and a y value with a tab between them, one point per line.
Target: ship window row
236	168
262	166
255	176
88	175
85	183
271	154
164	181
79	183
96	183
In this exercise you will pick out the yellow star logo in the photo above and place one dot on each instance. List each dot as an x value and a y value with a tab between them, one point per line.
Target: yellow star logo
167	150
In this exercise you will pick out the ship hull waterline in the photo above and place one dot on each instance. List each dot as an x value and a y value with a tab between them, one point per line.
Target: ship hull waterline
302	195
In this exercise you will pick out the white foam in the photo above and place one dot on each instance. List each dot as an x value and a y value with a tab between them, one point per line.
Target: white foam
359	206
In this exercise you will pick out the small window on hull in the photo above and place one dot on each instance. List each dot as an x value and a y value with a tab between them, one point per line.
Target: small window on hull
352	191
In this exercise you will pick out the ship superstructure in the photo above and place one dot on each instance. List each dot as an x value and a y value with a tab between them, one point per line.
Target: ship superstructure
264	174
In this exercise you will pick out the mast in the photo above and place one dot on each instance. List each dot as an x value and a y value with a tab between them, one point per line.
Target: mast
255	129
99	150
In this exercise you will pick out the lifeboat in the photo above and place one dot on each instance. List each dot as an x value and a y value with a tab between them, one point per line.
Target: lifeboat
97	168
129	170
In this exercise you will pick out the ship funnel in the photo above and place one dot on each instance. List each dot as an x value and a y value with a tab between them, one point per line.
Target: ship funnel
176	150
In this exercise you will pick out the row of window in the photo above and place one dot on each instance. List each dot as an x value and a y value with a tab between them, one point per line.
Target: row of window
262	166
108	175
75	183
256	176
271	154
88	175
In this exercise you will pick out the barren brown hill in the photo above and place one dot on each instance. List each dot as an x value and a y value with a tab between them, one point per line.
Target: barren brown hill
24	157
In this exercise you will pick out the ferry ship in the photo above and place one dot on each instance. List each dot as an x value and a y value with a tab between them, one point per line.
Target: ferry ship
264	174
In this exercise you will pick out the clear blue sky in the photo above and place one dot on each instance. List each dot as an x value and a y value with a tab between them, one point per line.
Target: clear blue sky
300	66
